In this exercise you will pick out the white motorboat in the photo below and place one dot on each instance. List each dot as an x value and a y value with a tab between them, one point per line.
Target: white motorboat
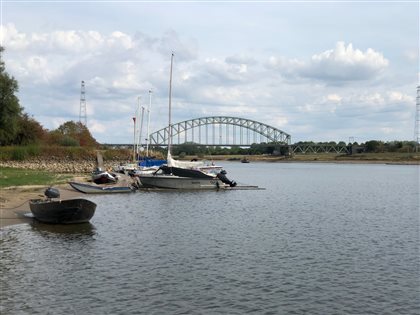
185	178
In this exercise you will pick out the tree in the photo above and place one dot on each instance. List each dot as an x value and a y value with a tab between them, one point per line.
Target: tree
189	148
73	133
373	145
29	131
10	109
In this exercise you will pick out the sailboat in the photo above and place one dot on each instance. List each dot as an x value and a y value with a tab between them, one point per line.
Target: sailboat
182	174
146	163
140	164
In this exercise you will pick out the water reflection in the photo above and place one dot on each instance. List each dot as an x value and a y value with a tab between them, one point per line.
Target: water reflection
65	230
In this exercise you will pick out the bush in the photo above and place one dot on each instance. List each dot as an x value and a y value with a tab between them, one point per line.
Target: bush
19	154
69	142
33	150
117	154
373	146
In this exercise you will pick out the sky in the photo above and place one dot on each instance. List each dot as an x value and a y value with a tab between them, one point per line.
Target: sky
317	70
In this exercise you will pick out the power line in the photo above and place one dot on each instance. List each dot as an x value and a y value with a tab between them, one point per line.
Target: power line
417	120
82	112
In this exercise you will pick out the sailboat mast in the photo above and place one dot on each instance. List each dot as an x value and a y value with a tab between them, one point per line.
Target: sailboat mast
141	128
170	99
134	138
136	130
135	135
148	122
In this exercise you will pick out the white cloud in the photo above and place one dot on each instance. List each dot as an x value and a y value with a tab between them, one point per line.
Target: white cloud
185	49
374	99
346	63
343	63
334	98
10	35
412	55
387	130
290	68
97	127
220	71
395	96
119	41
241	60
281	121
223	95
374	106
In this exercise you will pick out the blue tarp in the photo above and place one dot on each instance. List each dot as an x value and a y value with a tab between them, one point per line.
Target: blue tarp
151	162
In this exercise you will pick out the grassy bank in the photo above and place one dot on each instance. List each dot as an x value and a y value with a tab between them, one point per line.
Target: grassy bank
20	177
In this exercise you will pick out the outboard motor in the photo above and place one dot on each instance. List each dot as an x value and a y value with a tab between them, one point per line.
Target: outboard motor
224	179
52	193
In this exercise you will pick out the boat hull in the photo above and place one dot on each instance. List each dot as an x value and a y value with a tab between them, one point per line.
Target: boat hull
176	182
63	211
95	189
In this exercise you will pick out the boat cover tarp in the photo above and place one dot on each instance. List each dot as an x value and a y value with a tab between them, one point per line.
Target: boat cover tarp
184	164
151	162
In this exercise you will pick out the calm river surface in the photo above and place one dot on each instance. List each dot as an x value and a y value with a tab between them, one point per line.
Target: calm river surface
320	239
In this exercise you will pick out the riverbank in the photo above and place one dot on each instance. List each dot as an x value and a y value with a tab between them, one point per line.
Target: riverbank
70	166
14	200
66	166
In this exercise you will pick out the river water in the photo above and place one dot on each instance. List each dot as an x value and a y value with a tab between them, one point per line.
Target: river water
320	239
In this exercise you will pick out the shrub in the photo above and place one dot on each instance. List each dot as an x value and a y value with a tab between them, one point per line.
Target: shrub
67	141
33	150
19	154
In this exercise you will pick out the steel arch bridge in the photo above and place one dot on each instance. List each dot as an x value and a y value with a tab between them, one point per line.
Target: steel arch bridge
220	131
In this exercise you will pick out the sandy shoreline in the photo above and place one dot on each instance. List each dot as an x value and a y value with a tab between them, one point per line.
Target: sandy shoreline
14	202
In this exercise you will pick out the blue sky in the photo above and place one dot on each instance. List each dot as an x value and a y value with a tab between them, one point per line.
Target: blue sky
318	70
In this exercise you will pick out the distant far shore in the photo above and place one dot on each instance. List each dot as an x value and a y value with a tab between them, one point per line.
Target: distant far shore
368	158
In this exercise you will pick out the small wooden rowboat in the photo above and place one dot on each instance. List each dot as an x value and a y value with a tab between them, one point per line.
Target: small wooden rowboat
61	211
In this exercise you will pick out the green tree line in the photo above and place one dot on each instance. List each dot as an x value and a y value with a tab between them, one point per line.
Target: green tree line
18	128
372	146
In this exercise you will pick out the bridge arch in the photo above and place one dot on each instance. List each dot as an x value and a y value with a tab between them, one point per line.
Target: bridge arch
231	131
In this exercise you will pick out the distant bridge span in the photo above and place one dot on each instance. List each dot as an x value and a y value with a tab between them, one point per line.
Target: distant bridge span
220	131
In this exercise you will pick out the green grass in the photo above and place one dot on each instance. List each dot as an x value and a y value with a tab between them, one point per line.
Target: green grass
20	177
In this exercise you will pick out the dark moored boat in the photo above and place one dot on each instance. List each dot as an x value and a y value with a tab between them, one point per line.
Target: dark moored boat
103	177
61	211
